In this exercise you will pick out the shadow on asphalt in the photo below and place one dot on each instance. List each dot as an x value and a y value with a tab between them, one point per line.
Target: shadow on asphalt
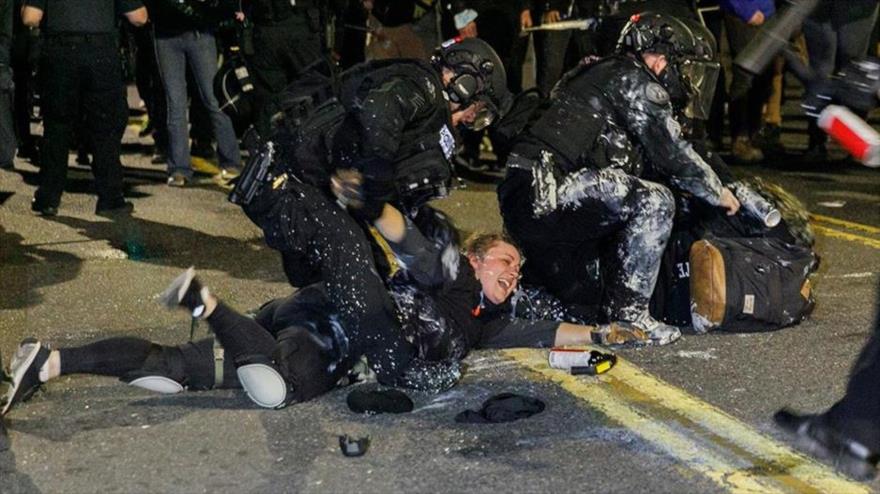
168	245
80	180
11	480
24	290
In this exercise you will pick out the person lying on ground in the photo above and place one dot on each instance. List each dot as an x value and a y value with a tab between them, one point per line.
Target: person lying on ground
296	348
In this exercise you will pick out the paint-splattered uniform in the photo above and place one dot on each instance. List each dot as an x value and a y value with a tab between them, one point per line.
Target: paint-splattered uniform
579	165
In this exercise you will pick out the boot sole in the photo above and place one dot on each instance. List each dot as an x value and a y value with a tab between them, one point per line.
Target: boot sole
172	295
18	376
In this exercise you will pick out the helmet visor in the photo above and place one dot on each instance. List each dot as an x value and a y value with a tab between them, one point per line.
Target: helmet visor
700	77
479	114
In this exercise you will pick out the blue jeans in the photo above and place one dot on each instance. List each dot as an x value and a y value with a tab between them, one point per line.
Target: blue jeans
197	50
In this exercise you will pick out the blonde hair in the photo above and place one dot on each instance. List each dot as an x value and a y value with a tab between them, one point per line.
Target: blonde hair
479	243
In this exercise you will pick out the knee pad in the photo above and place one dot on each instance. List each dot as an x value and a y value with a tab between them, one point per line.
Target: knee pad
153	382
262	382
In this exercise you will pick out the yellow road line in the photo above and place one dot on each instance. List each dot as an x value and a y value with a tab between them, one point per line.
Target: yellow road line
845	224
703	437
831	232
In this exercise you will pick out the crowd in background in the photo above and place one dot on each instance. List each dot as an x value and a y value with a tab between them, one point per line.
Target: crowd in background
174	57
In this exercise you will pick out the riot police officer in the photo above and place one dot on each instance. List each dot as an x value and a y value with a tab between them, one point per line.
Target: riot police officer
80	69
574	177
387	136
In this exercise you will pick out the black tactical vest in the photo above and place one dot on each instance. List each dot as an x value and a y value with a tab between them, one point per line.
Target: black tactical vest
582	126
423	163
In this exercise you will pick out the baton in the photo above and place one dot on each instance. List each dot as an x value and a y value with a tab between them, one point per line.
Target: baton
573	24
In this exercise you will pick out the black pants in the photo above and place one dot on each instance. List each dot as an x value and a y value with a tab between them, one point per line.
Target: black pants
7	128
193	363
857	414
25	52
281	52
82	73
747	94
149	85
626	218
500	28
301	219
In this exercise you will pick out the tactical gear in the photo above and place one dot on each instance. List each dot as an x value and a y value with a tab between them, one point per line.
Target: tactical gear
479	77
262	382
306	364
154	383
320	126
690	50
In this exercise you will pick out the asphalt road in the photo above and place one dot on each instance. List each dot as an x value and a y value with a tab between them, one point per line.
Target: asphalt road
689	417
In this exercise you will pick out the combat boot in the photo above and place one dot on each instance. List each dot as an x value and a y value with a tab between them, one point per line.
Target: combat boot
744	152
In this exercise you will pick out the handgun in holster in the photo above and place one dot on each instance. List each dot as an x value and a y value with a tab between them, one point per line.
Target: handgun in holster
255	175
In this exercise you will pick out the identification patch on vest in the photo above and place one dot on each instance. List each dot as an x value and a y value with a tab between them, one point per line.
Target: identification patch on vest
656	93
447	142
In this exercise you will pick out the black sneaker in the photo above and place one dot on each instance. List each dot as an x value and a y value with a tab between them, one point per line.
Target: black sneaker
185	291
113	207
43	209
24	371
819	439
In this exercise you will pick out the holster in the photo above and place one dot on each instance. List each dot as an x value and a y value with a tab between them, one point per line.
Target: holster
257	173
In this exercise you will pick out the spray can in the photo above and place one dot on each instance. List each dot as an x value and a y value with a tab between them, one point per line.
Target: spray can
579	361
755	204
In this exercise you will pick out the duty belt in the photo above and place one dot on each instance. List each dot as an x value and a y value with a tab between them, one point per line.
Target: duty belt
544	181
521	163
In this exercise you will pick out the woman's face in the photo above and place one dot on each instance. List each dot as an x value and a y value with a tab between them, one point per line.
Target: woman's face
497	271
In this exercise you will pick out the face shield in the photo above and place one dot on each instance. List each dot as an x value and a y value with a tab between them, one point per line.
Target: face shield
478	115
700	78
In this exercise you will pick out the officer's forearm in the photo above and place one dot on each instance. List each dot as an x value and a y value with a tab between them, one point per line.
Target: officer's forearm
698	178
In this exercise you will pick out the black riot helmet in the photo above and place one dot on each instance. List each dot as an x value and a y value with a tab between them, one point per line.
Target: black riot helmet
689	47
479	78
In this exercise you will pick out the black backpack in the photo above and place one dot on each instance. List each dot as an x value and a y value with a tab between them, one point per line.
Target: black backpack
749	284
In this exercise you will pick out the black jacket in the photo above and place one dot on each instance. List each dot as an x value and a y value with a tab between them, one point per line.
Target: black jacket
6	13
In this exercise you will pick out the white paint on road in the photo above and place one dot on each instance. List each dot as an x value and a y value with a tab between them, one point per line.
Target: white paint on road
697	354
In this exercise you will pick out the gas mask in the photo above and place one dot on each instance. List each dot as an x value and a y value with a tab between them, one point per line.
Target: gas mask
691	86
